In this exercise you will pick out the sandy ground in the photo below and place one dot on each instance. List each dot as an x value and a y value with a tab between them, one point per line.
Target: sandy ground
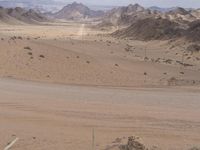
75	54
50	116
83	79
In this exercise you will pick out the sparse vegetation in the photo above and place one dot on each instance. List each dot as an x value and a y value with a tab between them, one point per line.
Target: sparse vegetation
195	148
142	80
30	53
116	65
193	48
20	38
41	56
27	47
132	144
172	81
168	61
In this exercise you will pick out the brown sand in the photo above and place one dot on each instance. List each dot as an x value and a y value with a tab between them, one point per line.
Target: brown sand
61	54
49	116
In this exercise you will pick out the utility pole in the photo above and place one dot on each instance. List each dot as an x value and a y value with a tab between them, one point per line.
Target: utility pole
182	59
93	139
145	54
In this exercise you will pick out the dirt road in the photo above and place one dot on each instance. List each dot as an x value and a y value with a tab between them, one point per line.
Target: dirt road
50	116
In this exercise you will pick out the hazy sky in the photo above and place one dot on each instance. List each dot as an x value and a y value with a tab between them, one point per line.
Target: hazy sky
161	3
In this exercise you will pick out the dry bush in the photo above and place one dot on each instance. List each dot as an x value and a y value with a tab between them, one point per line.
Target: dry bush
195	148
42	56
194	48
132	144
29	53
172	81
20	38
27	47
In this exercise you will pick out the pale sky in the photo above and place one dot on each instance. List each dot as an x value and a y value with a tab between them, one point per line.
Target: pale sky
146	3
161	3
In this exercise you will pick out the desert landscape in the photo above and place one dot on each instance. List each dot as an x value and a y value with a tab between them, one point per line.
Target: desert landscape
86	79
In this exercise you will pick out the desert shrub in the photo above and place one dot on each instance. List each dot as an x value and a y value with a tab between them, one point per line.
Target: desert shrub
193	48
29	53
19	37
116	65
27	47
132	144
195	148
172	81
42	56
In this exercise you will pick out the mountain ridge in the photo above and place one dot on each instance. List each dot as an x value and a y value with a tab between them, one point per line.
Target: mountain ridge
77	11
19	15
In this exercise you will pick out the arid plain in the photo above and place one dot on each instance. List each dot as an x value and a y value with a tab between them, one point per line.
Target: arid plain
59	81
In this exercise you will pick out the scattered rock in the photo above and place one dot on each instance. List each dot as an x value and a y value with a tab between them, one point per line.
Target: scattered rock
132	145
117	140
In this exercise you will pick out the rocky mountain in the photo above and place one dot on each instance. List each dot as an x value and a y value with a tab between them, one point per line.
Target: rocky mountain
4	17
126	15
159	9
76	11
19	15
196	13
179	15
160	29
193	31
151	29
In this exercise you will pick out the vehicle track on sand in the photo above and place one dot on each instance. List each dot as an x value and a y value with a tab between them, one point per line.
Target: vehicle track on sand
52	116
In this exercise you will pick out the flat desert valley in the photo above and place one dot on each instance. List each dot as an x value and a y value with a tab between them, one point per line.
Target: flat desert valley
62	83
